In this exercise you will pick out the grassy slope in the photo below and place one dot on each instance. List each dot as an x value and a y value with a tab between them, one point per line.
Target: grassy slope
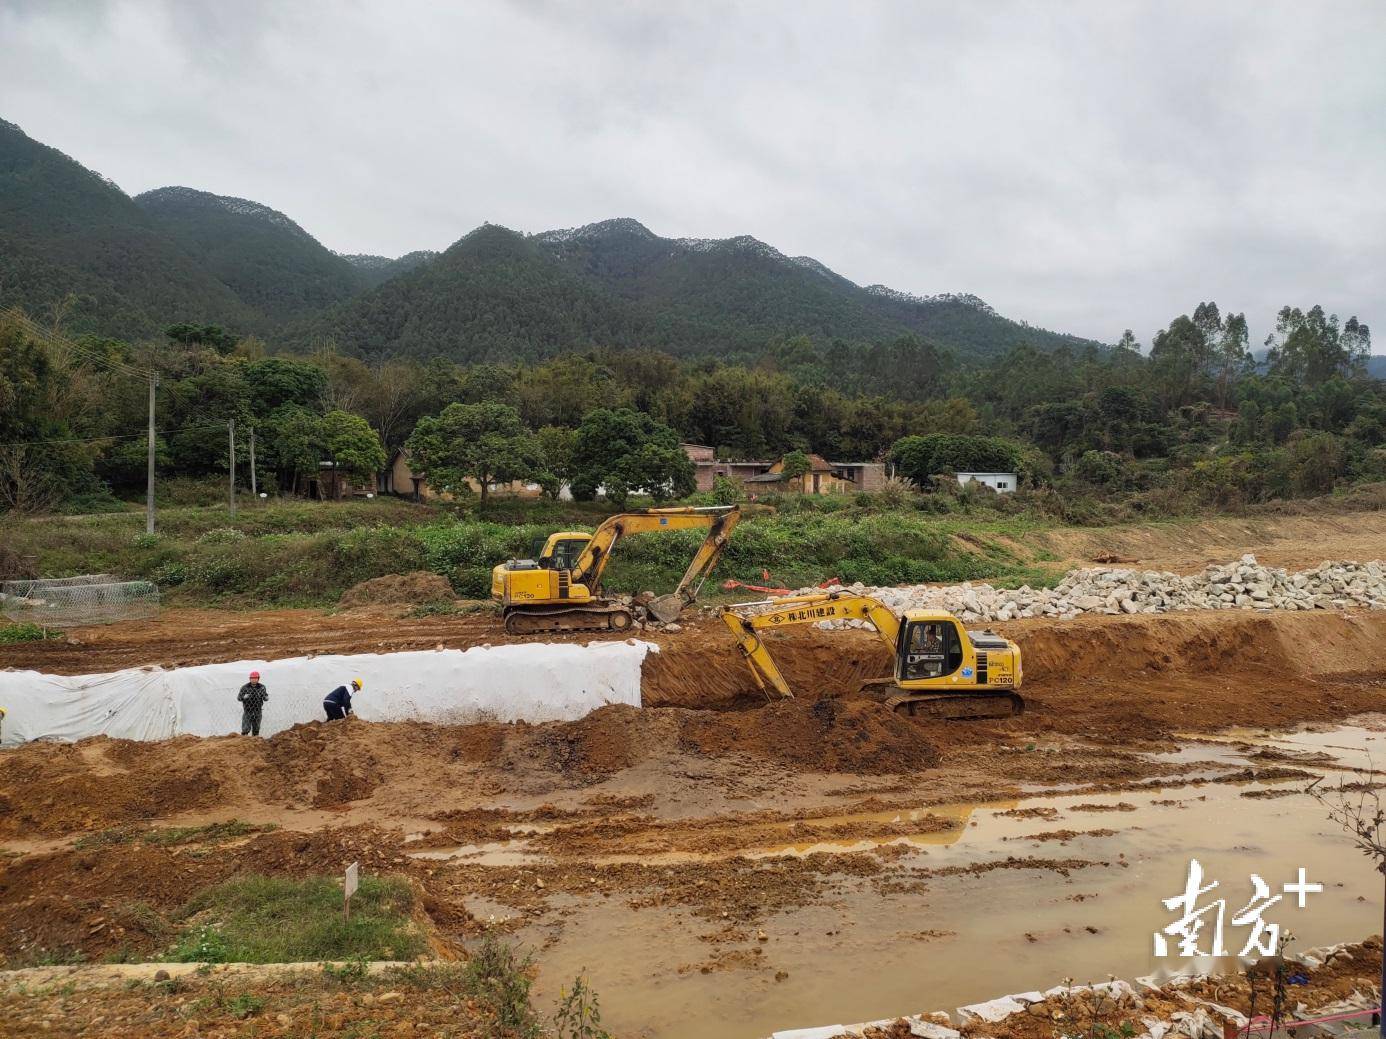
304	553
288	553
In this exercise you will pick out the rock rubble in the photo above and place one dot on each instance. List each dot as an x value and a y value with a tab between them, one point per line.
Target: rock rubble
1243	585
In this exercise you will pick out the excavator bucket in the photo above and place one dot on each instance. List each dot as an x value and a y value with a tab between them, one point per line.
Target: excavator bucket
665	608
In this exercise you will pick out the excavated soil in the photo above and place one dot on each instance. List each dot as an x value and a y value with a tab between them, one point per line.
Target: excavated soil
412	589
663	814
1118	680
118	1002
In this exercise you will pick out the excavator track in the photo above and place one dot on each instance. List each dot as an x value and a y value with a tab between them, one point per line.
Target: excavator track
964	705
542	620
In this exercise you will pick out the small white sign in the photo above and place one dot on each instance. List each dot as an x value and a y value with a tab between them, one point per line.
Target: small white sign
353	880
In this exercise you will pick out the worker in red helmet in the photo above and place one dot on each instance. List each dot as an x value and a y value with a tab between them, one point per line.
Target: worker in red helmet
252	697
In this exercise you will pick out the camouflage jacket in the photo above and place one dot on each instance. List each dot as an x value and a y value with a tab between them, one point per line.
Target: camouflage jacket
253	695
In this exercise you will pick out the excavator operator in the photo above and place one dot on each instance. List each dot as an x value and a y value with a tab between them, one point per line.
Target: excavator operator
926	651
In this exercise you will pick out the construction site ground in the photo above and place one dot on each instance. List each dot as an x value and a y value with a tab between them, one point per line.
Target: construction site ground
717	864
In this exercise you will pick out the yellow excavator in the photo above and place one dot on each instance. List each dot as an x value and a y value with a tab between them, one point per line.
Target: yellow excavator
942	670
559	589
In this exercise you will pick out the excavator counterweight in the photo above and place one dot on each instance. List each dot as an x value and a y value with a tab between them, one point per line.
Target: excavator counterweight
942	670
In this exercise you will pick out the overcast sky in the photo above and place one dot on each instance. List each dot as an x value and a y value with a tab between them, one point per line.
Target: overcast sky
1082	166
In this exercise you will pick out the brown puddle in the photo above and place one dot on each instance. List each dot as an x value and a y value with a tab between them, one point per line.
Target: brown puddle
971	911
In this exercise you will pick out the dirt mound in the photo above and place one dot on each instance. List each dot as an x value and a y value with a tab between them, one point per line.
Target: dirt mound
702	667
858	736
1150	677
827	735
50	789
99	901
54	788
411	589
609	740
1313	643
329	851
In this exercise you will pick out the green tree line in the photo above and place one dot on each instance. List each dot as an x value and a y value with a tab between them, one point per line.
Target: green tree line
1197	411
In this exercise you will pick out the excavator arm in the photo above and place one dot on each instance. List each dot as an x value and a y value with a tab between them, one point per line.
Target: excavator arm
719	520
792	610
668	607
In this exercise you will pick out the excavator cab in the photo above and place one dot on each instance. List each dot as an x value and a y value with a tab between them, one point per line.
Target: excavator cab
560	551
928	649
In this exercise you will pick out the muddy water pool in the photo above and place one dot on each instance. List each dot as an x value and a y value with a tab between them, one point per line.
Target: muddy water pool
915	940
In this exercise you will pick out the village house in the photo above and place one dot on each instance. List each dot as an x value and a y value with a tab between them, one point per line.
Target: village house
1001	483
330	484
400	480
823	477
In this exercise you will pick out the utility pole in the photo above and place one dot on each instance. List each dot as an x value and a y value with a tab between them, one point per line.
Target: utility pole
149	478
254	490
231	433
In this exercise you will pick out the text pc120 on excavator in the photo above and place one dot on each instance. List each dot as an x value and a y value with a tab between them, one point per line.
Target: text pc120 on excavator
560	589
942	670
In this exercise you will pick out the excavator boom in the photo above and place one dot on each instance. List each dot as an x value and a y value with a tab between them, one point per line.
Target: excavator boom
667	607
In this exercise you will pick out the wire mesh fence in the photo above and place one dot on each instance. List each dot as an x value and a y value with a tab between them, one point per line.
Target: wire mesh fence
22	588
69	602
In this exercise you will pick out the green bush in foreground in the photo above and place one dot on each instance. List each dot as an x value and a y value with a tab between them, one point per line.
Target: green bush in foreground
13	633
277	920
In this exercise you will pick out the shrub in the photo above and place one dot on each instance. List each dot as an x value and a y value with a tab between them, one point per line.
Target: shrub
222	536
499	978
727	492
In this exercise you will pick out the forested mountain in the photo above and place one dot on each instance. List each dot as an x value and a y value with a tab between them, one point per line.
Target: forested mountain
374	270
64	230
270	262
494	295
727	297
133	267
964	323
737	292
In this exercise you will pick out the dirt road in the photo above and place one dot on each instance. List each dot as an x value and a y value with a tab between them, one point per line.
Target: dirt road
1291	541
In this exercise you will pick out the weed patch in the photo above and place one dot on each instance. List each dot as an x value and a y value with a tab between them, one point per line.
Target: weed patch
277	920
11	634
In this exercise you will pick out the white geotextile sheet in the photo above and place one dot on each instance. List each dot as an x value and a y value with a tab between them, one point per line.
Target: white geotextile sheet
531	682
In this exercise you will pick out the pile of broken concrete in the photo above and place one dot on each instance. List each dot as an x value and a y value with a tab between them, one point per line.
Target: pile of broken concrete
1153	1008
1243	585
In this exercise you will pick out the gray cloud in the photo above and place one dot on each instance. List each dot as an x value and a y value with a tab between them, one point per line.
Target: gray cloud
1085	166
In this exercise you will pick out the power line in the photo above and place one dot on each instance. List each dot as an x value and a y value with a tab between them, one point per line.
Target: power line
87	353
114	436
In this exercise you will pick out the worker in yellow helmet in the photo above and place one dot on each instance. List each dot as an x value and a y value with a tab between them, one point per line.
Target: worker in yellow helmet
337	703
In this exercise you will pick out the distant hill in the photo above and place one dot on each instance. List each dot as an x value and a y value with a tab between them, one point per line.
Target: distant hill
373	270
494	295
618	283
267	260
65	230
1376	367
177	254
